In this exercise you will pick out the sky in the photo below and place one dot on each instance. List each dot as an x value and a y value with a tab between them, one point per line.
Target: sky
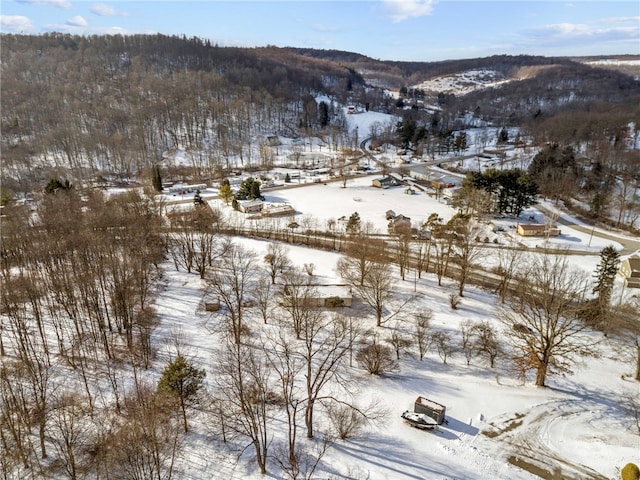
404	30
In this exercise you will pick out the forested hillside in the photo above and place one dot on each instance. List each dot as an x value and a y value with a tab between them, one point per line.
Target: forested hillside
144	336
111	105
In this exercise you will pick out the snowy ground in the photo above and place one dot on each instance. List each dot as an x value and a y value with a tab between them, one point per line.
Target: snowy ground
576	425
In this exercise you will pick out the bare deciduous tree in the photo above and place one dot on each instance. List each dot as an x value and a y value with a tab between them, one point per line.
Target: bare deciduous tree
326	342
465	249
363	252
398	341
486	341
264	298
277	260
444	345
234	283
423	340
466	343
510	259
376	289
72	433
376	359
244	387
298	297
147	444
543	329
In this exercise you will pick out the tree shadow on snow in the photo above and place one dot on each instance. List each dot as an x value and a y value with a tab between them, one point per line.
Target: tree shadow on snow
394	460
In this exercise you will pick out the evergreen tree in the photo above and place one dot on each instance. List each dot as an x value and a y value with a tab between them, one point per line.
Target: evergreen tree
156	178
323	113
55	184
182	380
249	190
225	192
605	275
197	199
287	178
255	191
353	224
503	135
460	142
513	189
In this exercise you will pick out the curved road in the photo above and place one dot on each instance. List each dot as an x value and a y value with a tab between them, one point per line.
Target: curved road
629	245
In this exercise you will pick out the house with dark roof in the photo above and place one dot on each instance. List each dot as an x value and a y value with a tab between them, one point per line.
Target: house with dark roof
399	224
385	182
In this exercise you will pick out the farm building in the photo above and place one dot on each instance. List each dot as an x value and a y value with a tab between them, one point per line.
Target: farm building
537	230
430	408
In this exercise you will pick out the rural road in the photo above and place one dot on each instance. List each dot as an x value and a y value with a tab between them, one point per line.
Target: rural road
629	245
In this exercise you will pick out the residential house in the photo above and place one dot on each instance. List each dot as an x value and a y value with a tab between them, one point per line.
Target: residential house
273	140
630	271
537	230
385	182
250	206
399	224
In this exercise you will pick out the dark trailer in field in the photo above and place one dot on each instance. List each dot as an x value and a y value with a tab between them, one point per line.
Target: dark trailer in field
430	408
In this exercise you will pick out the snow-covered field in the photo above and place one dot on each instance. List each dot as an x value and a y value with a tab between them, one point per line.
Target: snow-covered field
576	425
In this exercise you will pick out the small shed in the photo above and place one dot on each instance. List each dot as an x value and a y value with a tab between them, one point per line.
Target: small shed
212	306
430	408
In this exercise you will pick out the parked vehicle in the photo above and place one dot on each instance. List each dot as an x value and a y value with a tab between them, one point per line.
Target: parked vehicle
419	420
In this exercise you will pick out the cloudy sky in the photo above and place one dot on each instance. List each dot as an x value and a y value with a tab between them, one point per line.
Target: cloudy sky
418	30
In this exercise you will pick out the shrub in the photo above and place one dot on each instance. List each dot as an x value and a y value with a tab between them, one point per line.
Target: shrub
630	472
345	420
334	302
454	301
376	359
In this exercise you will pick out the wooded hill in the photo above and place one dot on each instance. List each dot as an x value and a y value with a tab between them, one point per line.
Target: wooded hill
112	104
